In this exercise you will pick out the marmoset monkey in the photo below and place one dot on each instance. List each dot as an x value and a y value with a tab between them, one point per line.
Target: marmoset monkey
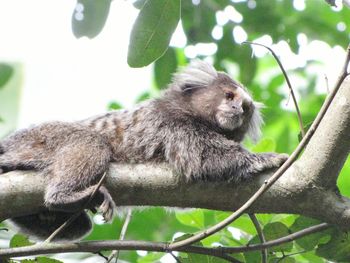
196	126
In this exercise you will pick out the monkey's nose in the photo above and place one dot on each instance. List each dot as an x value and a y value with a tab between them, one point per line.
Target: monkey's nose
237	109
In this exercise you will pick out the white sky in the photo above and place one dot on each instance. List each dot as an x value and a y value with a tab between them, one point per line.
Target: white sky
67	78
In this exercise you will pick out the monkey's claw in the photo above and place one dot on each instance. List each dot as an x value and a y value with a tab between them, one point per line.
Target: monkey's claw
107	206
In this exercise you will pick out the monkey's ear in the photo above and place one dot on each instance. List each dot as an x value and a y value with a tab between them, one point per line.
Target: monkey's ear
254	127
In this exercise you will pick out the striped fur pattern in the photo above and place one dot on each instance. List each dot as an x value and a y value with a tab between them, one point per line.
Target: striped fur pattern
196	126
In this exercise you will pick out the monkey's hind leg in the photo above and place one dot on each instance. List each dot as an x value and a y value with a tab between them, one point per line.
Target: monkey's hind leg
74	174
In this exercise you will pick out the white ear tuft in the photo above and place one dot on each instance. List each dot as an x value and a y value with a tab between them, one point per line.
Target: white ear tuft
255	123
198	73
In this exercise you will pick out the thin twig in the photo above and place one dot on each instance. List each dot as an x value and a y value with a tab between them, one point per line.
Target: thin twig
260	235
268	183
327	83
93	246
175	257
291	254
278	241
288	83
115	253
77	214
101	255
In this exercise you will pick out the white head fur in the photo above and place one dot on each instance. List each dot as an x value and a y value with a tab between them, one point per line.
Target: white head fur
198	73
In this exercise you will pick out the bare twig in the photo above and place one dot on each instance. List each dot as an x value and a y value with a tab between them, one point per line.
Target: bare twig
76	215
260	235
175	257
327	83
287	80
278	241
115	253
290	255
268	183
93	246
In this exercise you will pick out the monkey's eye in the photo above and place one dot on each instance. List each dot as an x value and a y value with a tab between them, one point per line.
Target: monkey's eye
229	95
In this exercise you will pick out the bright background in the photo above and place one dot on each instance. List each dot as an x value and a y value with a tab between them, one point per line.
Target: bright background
67	78
59	77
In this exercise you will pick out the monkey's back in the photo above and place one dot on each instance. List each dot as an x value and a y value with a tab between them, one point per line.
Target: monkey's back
135	135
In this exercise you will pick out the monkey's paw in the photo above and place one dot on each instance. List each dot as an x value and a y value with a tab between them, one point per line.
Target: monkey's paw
269	161
107	206
281	158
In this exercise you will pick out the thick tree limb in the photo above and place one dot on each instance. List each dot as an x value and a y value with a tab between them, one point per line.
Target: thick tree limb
307	188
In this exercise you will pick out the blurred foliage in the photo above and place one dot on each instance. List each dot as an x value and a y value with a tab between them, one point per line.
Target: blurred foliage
11	76
150	37
6	72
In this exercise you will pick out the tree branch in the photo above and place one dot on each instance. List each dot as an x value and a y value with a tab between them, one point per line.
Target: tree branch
301	190
93	246
308	186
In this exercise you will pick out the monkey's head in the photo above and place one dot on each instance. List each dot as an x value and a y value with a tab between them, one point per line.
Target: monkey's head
219	99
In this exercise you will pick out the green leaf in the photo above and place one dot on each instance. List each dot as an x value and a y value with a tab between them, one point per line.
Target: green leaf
47	260
337	249
286	260
196	258
344	179
114	106
276	230
308	242
151	33
164	68
6	72
243	223
144	96
20	241
194	218
89	17
249	67
151	257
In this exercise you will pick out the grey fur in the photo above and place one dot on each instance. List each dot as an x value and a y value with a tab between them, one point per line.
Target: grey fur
194	127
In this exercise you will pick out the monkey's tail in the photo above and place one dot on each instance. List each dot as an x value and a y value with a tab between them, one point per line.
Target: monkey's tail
42	225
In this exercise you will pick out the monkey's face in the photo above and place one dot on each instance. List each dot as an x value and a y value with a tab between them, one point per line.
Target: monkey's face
234	107
224	102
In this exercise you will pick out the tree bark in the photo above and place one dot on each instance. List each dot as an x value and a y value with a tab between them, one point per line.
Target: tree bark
308	187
